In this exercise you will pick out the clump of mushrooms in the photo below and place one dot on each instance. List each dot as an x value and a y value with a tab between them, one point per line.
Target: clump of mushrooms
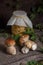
27	44
22	40
31	45
9	44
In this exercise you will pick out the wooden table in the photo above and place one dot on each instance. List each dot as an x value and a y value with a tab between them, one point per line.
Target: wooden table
6	59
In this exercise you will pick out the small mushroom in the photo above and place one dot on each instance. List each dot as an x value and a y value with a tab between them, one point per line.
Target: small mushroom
31	45
23	39
25	50
9	44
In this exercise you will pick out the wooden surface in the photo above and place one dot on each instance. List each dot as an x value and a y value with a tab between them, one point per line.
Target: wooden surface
6	59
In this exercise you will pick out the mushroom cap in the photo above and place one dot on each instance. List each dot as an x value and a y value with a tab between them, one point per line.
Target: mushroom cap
29	43
10	42
23	39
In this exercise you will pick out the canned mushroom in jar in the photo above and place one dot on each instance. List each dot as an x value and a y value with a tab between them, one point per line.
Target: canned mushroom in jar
18	29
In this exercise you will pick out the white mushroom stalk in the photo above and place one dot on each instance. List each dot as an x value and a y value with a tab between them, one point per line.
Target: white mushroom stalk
25	50
11	50
34	46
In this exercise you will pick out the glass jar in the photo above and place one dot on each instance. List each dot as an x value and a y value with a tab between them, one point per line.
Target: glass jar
19	22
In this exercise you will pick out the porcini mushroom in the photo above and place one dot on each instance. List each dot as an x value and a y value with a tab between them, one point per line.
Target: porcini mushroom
23	39
31	45
25	50
9	44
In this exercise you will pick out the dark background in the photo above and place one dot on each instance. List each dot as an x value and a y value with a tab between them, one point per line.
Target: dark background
8	6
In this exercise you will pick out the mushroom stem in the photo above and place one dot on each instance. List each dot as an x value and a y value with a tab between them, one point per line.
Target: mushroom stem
11	50
25	50
34	46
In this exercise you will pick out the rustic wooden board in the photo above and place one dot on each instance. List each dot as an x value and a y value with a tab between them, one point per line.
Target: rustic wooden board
6	59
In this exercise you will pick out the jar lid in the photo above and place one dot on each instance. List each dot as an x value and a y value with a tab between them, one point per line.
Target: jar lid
19	13
20	18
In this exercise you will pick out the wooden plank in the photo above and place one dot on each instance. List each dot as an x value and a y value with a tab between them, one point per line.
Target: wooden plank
6	59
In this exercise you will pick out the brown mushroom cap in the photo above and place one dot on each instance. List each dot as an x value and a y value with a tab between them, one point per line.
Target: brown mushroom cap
10	42
29	43
23	39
